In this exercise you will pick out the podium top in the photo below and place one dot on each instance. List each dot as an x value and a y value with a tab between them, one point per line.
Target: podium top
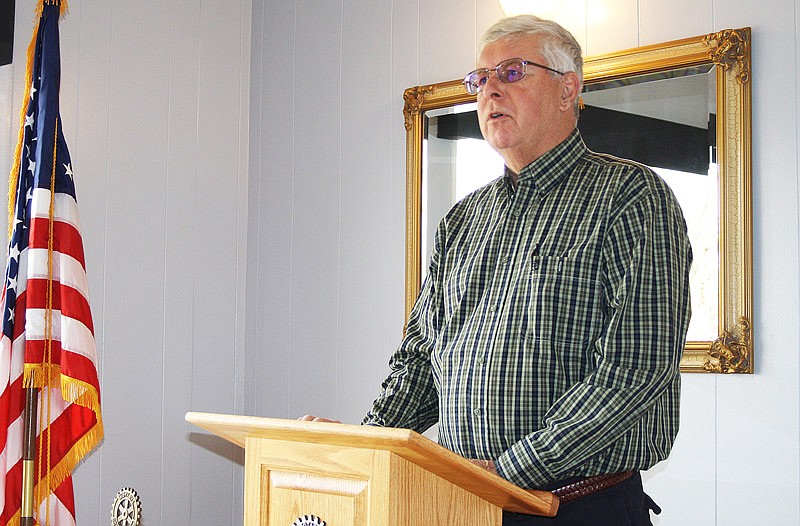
406	443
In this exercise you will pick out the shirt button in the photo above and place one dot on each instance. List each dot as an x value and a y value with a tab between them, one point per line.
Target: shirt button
480	360
476	411
492	308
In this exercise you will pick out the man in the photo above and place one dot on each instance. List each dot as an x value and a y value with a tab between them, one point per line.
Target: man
547	336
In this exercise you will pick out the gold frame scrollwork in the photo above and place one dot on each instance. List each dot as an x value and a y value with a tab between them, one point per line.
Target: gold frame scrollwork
732	351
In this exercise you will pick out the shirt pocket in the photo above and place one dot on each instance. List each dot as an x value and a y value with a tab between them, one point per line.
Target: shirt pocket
565	300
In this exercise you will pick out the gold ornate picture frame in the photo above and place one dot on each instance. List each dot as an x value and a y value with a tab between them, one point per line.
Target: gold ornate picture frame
732	350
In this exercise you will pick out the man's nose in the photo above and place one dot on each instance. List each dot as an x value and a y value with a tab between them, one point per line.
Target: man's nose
492	86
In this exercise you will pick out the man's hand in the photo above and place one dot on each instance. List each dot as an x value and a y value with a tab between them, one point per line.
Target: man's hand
312	418
488	465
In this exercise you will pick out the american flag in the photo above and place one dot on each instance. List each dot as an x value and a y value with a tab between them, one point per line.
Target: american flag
47	341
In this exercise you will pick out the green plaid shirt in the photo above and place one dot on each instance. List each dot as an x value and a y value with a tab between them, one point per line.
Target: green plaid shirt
548	333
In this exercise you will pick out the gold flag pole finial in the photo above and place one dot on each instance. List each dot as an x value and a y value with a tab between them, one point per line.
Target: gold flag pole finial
63	4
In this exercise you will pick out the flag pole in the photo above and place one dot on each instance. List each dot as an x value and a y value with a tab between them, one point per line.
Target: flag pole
28	457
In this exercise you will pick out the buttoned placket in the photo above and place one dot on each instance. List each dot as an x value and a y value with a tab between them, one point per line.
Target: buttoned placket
511	268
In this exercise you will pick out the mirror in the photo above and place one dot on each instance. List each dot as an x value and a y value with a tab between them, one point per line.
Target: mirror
681	107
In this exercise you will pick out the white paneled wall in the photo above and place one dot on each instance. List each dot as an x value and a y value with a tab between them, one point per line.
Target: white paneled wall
366	138
325	248
155	105
269	271
318	83
761	412
610	25
654	16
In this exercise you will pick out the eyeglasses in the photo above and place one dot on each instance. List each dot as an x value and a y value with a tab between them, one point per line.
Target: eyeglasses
508	71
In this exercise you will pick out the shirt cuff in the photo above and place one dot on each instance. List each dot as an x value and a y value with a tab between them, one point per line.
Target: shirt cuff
520	465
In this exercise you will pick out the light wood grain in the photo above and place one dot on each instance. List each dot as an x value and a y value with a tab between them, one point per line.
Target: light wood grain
315	447
445	504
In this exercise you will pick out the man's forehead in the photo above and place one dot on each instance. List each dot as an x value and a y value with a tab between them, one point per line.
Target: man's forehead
517	46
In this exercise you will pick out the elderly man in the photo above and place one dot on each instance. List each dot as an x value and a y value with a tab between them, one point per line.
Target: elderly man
547	336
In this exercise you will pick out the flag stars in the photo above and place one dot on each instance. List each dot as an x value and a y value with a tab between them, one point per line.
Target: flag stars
31	166
13	251
29	120
33	90
68	170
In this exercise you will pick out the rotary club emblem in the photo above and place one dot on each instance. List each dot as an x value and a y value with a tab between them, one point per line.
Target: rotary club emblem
308	520
127	508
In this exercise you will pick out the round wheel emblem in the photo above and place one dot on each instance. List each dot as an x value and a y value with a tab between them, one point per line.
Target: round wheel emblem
308	520
127	508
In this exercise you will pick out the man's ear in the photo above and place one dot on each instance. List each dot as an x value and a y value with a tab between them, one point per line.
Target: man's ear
569	90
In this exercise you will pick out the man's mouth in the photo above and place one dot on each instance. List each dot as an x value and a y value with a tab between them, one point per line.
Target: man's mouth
497	115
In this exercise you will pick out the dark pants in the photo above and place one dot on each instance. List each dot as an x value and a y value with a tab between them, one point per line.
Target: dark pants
624	504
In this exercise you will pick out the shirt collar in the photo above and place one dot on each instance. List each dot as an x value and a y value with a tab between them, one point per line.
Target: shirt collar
546	172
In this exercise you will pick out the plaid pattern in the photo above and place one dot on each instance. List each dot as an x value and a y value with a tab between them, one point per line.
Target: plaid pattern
549	330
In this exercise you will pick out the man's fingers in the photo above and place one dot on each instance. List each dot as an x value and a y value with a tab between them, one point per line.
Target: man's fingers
312	418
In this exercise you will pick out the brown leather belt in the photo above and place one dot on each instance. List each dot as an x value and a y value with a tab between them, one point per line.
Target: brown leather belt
587	486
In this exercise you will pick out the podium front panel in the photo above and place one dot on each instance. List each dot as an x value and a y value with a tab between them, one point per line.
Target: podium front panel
290	483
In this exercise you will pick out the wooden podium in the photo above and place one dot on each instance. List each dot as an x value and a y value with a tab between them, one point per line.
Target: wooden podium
312	473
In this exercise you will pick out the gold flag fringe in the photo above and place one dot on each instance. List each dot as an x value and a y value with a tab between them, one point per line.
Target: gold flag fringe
49	376
74	391
13	179
63	469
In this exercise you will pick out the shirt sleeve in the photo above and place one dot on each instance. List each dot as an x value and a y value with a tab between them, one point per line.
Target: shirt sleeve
623	415
408	396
